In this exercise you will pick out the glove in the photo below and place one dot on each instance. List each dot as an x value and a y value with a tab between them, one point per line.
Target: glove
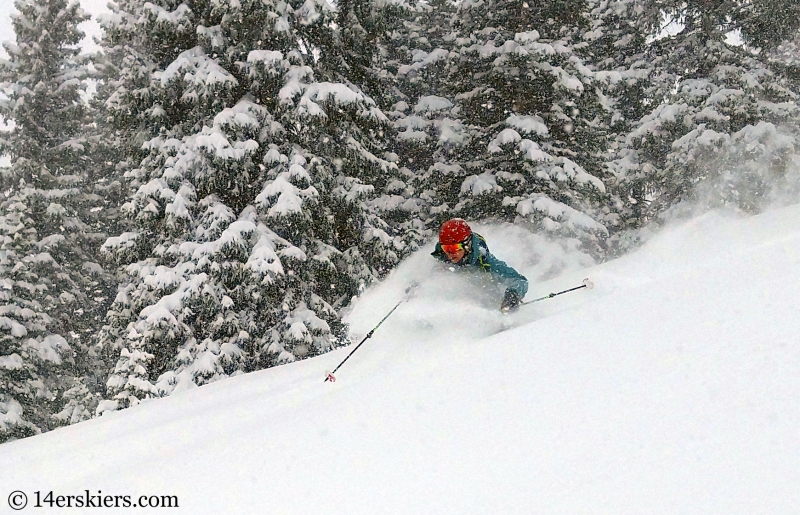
511	301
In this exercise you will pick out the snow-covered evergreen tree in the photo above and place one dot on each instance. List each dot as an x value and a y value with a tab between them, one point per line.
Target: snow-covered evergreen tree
514	128
710	91
255	208
52	286
766	24
429	141
785	59
369	47
616	46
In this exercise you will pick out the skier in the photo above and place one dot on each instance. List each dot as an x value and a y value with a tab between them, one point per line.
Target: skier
461	247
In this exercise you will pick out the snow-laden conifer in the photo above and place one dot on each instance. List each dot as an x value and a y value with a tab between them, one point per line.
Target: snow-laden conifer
512	124
721	111
366	53
52	285
425	140
766	24
254	214
785	59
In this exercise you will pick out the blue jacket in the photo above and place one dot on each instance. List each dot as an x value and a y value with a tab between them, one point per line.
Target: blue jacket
479	257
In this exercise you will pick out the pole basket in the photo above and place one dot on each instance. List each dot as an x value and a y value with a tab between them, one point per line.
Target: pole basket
329	377
589	284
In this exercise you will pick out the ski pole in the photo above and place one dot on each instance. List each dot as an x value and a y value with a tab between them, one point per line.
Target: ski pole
586	284
329	375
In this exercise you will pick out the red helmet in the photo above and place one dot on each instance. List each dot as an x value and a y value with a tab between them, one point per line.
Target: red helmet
454	231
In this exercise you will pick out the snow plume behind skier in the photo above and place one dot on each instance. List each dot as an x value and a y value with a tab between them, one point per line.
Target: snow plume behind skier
457	305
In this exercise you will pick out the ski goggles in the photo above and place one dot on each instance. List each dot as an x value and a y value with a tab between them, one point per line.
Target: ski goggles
455	248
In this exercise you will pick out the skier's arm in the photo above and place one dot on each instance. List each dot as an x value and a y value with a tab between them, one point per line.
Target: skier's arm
507	275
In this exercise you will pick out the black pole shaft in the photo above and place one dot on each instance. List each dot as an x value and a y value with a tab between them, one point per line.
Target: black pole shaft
554	294
369	334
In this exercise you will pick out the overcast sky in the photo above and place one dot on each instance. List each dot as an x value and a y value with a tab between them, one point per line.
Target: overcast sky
93	7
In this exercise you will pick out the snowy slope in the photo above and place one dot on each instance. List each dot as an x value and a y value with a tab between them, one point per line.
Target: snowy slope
673	387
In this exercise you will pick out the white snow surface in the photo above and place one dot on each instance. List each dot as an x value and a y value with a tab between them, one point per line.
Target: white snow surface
669	388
